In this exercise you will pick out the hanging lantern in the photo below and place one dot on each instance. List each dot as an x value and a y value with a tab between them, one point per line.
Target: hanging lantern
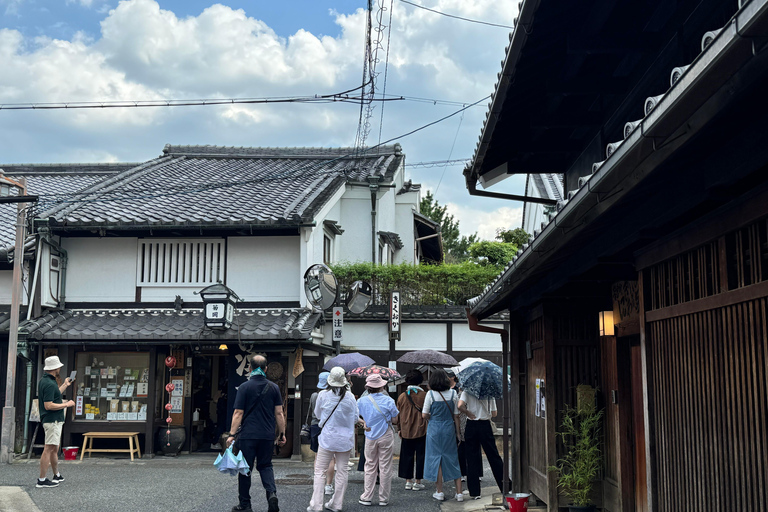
169	420
170	361
170	387
219	306
168	407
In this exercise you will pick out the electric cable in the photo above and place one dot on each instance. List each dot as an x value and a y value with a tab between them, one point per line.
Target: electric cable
450	153
457	17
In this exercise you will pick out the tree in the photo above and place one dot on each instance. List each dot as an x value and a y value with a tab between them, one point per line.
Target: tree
516	237
495	253
455	245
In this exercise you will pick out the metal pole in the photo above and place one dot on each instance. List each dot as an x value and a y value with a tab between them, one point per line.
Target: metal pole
9	411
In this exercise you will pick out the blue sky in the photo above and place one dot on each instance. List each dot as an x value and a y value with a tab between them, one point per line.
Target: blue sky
85	50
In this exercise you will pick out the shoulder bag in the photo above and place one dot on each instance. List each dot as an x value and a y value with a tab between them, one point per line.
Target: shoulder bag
408	396
389	421
329	416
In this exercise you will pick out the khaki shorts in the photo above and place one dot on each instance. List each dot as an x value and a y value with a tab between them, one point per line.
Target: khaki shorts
53	432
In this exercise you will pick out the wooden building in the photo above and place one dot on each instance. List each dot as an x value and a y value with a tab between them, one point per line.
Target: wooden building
654	113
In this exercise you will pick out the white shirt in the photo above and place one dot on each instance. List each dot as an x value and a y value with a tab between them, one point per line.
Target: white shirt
432	396
338	428
482	409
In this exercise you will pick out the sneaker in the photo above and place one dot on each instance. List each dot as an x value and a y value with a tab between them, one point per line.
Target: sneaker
46	483
57	478
475	497
328	507
367	503
439	496
463	479
241	508
329	490
272	502
418	487
465	491
460	497
408	486
383	503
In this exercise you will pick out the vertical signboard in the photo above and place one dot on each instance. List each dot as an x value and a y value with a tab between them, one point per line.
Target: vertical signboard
394	316
338	323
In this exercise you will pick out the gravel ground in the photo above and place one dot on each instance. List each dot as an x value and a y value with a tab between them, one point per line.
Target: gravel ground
188	483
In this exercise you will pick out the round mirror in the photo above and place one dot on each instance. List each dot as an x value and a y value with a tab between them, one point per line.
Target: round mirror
321	286
359	296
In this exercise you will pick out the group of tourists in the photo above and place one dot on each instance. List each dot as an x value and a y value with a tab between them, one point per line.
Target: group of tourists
441	428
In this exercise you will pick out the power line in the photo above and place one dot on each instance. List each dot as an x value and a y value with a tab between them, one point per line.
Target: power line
51	200
386	67
440	163
457	17
450	153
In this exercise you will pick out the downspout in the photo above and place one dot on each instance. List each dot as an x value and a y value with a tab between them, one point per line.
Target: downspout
474	325
28	405
373	185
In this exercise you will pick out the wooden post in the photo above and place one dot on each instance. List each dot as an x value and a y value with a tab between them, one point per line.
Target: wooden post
647	405
549	394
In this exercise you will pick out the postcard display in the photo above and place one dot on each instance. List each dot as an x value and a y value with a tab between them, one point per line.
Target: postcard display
111	386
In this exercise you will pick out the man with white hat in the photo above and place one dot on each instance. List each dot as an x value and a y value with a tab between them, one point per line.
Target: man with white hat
52	417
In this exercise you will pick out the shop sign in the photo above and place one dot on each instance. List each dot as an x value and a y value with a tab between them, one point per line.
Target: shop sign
394	316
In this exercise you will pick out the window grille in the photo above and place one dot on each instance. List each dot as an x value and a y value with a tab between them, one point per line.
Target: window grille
194	262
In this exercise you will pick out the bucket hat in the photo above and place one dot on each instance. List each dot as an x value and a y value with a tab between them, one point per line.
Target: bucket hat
52	363
322	380
337	378
375	381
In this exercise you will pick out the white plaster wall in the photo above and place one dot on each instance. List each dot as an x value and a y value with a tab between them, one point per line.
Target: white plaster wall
472	341
362	336
404	226
264	268
355	243
422	336
168	294
100	269
6	279
385	211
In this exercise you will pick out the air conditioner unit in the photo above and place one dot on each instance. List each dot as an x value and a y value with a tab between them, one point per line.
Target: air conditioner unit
50	277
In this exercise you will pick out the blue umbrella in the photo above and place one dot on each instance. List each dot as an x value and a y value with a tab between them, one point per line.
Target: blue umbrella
349	361
227	462
482	380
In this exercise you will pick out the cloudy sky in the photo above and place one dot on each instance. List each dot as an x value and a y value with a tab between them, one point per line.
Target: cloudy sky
102	50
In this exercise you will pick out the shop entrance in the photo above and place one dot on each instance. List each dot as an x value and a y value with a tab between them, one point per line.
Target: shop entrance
209	400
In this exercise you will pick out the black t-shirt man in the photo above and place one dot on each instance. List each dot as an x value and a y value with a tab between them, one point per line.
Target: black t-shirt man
260	422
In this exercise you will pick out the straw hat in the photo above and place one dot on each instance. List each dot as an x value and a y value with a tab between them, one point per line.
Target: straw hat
337	378
52	363
375	381
322	380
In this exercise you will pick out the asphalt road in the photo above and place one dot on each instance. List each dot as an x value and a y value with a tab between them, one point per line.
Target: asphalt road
188	483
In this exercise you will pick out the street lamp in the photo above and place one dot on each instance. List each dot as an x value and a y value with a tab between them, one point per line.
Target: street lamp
218	306
9	411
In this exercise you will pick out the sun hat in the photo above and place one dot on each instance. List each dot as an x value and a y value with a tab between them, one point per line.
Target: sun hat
52	363
337	378
322	380
375	381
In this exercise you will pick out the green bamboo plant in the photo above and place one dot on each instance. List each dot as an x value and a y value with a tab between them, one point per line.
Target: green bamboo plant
577	470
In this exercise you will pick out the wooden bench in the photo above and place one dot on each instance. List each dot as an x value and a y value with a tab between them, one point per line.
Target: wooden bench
133	443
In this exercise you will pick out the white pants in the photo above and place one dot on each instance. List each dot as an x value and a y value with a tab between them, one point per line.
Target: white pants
322	459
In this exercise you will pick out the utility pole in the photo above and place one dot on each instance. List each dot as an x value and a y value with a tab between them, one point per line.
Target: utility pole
9	411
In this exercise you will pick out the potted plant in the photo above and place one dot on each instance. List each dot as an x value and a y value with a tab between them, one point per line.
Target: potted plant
578	468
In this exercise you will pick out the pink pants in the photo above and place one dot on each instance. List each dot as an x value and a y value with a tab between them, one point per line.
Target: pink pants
378	459
322	459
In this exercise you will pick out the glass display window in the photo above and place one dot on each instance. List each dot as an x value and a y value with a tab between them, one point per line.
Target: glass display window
112	386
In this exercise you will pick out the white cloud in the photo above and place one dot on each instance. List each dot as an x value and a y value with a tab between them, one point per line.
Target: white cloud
144	52
485	223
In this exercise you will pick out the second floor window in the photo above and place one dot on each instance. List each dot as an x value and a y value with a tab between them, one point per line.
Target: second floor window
180	262
327	249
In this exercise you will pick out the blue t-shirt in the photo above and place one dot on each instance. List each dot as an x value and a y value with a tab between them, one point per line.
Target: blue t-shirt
260	422
378	422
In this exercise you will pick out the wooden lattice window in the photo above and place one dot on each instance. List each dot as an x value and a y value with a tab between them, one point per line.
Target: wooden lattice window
690	276
747	251
177	262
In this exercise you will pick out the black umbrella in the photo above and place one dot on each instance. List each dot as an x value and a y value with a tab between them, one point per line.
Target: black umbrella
430	357
349	361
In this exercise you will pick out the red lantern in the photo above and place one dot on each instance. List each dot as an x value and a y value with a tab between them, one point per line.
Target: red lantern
168	407
168	432
170	361
168	420
170	387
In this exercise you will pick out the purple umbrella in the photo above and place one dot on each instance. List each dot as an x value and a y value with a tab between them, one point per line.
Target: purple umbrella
348	361
430	357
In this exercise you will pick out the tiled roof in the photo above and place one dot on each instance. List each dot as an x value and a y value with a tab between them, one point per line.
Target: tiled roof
49	179
214	185
162	325
409	186
436	313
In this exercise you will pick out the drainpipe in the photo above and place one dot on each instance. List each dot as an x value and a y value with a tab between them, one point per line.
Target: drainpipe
475	326
373	185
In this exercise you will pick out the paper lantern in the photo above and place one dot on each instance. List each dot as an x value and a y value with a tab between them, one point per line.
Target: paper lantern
170	361
168	420
170	387
168	407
